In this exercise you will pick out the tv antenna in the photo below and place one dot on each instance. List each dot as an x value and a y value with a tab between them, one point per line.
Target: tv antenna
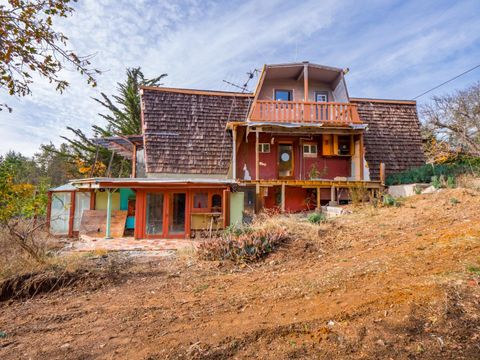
244	87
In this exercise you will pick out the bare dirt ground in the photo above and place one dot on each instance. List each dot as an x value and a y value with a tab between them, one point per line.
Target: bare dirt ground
399	283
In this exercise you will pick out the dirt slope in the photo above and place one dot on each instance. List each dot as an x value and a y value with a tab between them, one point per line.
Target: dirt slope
398	283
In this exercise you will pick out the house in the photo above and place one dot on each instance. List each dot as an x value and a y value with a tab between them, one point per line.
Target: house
208	159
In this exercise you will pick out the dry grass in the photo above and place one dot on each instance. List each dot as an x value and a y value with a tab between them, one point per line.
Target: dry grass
468	181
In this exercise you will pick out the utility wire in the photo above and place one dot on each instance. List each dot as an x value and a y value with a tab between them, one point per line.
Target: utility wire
446	82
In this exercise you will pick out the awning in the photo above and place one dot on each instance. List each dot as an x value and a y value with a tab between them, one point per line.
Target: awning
121	145
98	183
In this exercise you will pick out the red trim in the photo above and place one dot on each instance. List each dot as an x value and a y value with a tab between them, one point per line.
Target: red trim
49	210
72	214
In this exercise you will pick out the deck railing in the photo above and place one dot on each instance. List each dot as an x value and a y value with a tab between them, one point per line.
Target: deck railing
305	112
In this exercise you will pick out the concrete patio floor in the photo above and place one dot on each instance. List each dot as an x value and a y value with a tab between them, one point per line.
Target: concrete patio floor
87	243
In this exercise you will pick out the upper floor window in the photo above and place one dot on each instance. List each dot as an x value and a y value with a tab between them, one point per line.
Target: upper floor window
264	147
310	150
283	95
321	96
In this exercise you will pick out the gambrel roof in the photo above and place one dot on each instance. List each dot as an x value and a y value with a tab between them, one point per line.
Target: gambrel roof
185	130
393	135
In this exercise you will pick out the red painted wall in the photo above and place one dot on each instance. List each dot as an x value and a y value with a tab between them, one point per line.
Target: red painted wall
336	165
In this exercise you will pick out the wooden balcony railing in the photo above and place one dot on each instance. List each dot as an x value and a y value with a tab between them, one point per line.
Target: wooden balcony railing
305	112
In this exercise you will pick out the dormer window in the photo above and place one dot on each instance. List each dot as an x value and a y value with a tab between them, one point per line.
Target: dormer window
321	96
283	95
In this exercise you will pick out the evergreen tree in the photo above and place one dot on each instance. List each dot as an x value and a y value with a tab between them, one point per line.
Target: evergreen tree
123	118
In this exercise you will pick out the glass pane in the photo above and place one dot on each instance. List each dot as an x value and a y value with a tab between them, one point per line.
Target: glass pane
217	203
200	200
177	213
321	97
154	213
285	167
82	202
60	213
283	95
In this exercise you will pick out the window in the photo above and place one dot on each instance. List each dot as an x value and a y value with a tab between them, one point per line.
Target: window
216	202
344	145
283	95
264	147
321	96
200	200
310	150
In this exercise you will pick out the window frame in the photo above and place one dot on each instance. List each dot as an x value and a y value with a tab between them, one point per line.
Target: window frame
310	153
210	194
325	93
261	148
289	91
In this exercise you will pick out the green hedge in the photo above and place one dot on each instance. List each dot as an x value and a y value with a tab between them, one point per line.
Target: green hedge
424	174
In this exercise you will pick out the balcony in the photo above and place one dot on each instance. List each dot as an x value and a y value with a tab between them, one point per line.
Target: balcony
308	113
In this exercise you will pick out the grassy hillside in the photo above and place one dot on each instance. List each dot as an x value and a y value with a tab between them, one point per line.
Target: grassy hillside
393	282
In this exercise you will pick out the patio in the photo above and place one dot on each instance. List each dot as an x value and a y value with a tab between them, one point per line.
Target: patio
88	243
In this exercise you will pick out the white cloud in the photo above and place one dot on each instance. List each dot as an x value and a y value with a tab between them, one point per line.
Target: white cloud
393	50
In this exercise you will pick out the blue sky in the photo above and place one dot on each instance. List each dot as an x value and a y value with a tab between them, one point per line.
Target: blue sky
394	49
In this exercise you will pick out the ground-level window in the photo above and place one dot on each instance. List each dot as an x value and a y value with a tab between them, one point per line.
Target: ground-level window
283	95
264	147
310	150
200	200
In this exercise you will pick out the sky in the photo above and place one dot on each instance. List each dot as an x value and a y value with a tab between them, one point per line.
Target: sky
394	50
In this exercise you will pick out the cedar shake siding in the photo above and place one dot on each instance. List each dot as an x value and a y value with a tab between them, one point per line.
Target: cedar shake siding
393	135
184	133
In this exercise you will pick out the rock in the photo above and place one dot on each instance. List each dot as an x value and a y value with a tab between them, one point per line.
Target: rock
65	346
331	323
429	190
380	342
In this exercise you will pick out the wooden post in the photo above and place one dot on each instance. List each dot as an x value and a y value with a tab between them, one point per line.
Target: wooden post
109	214
234	153
318	199
226	207
257	156
305	82
282	198
258	201
134	161
382	173
333	200
72	214
49	210
361	157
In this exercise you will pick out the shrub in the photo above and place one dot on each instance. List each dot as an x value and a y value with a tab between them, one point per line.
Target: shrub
424	174
316	218
248	245
389	200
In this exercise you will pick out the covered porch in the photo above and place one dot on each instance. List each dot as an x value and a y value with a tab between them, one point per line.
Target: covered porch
161	208
303	195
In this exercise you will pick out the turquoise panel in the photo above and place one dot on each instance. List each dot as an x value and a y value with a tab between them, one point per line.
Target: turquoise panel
125	195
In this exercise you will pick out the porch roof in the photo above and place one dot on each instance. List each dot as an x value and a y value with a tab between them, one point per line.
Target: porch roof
122	145
99	183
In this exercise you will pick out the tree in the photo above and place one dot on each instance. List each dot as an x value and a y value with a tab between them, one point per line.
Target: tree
31	45
455	119
124	118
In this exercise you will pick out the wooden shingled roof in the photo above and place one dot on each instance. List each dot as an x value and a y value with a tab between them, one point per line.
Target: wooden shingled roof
184	131
393	135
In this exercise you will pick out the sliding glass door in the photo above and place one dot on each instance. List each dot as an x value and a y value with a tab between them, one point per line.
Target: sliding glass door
154	214
165	214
